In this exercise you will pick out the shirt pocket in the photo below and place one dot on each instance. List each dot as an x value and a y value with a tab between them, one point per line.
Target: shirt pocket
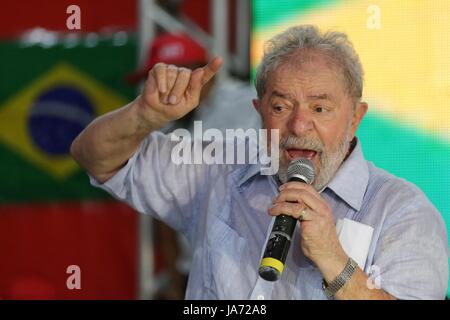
225	270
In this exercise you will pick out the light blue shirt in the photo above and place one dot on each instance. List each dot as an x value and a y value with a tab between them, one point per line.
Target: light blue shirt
222	210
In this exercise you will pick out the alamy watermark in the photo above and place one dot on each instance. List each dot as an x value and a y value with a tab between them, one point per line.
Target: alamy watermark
237	146
74	280
374	279
73	21
374	18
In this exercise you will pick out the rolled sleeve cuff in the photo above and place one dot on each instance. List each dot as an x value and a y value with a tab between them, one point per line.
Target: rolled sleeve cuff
116	185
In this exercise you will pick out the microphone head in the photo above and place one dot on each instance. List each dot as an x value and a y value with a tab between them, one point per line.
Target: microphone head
301	168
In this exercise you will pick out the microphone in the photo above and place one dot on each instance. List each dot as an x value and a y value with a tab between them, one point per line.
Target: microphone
277	247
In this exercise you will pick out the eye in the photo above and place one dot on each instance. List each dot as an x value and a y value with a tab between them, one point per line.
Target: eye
278	108
320	109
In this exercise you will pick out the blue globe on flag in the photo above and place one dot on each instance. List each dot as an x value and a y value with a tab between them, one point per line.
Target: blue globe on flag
57	116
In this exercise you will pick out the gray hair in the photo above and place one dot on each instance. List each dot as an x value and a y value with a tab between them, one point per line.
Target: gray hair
334	45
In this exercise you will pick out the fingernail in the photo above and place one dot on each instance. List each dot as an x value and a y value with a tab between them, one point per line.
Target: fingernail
162	89
173	99
166	100
281	187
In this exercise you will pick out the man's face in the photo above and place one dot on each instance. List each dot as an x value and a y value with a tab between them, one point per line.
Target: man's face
315	116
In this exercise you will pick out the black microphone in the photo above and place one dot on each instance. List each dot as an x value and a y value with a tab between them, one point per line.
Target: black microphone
277	247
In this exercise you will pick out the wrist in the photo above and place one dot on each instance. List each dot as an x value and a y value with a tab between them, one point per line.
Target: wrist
332	265
147	119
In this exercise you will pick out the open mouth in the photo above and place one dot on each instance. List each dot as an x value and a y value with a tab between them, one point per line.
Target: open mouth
300	153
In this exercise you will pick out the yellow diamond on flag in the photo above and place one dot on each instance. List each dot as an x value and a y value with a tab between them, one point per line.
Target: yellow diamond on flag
40	121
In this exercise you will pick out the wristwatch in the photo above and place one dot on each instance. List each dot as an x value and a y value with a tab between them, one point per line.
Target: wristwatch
349	269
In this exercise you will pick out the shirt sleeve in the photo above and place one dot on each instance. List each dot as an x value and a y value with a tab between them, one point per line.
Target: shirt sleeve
153	184
412	255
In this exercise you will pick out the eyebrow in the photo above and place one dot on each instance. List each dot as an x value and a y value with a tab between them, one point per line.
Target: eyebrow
321	96
283	95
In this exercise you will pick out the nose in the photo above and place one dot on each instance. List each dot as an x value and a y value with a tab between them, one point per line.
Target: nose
301	121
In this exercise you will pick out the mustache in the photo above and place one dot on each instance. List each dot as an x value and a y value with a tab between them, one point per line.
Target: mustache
294	142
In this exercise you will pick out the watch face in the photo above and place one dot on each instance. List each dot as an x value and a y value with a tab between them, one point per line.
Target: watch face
327	292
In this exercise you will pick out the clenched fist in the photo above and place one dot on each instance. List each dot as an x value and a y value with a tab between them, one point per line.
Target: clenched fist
171	92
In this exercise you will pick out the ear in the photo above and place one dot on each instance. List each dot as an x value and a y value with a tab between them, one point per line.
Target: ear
256	104
358	115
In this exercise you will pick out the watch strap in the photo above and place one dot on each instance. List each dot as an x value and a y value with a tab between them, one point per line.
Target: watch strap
332	288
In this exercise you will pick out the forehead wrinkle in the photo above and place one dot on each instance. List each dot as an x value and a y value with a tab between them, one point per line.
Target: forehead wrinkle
293	86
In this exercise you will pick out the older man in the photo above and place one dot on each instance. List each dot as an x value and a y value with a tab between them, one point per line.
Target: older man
309	87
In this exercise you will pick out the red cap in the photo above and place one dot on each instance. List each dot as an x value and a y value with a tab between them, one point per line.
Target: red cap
171	48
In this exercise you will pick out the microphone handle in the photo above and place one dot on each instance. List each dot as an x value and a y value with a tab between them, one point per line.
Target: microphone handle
277	248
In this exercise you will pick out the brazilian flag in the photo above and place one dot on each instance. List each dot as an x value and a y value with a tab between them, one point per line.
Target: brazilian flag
51	219
47	96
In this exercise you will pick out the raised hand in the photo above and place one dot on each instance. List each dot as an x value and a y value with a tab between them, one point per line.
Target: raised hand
171	92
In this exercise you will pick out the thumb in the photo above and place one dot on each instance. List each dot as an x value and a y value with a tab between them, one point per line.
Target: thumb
201	76
195	83
211	68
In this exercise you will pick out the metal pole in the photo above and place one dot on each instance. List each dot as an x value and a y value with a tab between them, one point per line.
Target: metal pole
242	36
169	23
146	28
146	283
220	34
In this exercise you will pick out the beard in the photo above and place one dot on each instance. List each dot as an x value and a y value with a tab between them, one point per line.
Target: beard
330	160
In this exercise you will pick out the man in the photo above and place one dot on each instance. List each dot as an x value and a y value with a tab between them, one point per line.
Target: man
309	87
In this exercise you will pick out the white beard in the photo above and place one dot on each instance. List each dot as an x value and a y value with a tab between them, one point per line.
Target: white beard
330	161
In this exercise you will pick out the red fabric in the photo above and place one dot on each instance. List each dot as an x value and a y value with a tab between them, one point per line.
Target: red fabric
38	243
178	49
19	16
199	12
170	48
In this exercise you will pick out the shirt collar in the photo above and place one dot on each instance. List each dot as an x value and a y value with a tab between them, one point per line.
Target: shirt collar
249	172
351	180
349	183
